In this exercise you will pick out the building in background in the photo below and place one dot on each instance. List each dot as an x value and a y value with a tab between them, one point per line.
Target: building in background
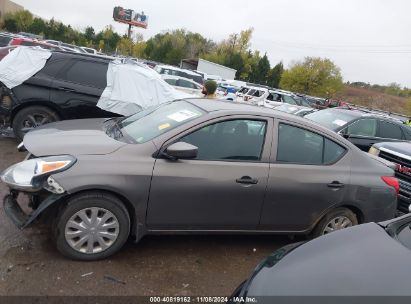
7	6
209	69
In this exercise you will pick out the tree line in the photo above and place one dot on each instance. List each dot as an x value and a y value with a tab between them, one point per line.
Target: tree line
313	76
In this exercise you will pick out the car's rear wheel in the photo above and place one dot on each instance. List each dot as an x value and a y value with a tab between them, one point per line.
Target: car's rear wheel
32	117
91	226
336	219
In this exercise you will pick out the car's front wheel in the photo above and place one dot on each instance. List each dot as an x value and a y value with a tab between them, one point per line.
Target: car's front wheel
336	219
91	226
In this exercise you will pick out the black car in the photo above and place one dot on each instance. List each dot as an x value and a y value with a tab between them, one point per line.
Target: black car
372	259
68	87
362	128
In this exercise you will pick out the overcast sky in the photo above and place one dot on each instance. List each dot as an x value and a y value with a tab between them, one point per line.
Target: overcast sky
370	40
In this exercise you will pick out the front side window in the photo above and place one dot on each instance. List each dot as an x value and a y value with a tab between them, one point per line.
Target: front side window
150	123
389	130
239	139
363	127
300	146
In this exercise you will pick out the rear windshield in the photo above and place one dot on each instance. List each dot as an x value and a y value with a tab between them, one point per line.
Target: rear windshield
331	119
150	123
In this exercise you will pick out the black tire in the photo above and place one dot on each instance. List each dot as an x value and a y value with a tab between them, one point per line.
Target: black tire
333	214
90	200
32	117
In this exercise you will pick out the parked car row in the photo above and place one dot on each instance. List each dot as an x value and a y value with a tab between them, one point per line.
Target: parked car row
9	41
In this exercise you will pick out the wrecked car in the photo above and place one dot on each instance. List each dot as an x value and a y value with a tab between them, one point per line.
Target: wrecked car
193	166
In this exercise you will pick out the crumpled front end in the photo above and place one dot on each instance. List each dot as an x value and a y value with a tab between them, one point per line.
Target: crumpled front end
32	187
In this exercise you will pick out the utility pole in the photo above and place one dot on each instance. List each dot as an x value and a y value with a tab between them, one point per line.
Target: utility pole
129	31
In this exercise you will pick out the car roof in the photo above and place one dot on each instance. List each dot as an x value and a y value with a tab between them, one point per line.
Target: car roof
363	113
234	108
68	54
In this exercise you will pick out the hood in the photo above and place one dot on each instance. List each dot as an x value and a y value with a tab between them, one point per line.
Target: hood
403	148
358	261
74	137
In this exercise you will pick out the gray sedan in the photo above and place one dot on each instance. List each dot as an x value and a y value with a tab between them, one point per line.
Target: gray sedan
193	166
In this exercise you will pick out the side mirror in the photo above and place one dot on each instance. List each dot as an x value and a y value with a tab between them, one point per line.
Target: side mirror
181	150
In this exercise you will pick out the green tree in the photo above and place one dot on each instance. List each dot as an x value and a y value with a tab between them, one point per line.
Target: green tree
314	76
38	26
274	76
263	68
89	33
19	21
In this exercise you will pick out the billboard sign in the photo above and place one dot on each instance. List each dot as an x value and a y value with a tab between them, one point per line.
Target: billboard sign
130	17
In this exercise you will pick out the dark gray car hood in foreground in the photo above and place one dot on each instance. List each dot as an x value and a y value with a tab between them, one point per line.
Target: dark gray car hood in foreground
74	137
360	261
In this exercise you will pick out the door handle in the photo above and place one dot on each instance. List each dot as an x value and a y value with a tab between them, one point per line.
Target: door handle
335	184
246	180
66	89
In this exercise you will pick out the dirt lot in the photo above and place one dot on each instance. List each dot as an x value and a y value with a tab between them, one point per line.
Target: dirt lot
158	265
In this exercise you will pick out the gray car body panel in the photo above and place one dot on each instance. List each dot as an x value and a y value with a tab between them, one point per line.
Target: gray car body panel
360	261
74	137
202	196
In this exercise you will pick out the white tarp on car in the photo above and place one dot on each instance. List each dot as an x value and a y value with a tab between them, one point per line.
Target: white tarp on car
21	64
132	87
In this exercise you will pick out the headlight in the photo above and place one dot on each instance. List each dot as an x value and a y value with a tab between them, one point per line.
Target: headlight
374	151
24	174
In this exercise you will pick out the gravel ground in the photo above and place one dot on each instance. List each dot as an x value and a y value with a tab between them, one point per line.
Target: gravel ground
157	266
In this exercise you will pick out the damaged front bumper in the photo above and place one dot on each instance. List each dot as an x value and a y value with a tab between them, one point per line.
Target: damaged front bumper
38	203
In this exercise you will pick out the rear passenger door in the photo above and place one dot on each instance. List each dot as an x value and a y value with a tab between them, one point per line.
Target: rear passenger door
78	87
309	174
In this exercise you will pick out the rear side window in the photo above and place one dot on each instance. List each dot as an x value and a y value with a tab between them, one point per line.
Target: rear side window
300	146
52	67
363	127
332	151
389	130
89	73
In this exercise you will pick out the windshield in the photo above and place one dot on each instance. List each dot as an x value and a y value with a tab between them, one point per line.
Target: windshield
150	123
331	119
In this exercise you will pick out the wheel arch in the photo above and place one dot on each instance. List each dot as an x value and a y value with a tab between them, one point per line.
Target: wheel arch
357	211
129	206
42	103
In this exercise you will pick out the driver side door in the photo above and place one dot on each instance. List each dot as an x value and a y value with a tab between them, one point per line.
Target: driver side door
223	188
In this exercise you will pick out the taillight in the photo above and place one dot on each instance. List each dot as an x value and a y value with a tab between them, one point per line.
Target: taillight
225	93
392	181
